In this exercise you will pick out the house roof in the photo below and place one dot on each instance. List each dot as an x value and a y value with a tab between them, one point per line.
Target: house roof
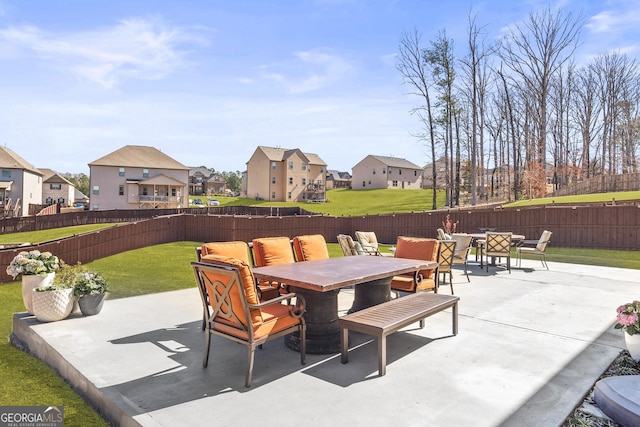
338	176
280	154
51	176
202	171
396	162
161	180
10	160
138	156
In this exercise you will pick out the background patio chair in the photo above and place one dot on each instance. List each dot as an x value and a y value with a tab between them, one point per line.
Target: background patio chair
310	247
227	287
498	245
347	245
369	243
461	254
526	247
446	250
416	248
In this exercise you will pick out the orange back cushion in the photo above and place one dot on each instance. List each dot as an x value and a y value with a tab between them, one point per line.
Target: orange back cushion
247	286
272	251
418	248
239	250
311	247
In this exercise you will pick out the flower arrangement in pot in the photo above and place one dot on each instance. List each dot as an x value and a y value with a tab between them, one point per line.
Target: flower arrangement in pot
628	320
90	288
35	269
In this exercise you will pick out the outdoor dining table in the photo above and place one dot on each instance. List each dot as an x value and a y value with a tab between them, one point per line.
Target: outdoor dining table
320	281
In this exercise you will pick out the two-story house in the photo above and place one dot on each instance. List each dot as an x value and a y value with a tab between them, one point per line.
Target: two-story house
20	184
204	182
285	175
138	177
385	172
56	189
337	179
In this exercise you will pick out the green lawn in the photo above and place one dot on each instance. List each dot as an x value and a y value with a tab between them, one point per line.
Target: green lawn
584	198
28	381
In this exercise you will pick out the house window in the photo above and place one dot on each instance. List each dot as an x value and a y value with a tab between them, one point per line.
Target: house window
304	166
96	190
304	181
273	179
174	193
384	170
399	171
145	191
395	183
6	173
321	170
373	171
289	195
273	194
415	173
121	190
291	165
145	173
364	184
389	171
290	180
121	172
55	186
273	165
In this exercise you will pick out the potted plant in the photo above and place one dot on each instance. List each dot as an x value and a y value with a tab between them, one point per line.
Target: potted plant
52	303
629	321
36	269
90	288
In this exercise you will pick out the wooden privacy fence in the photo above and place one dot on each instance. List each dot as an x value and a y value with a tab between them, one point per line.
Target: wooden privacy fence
602	184
596	227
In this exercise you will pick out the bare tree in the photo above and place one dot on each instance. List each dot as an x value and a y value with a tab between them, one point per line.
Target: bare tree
535	51
415	73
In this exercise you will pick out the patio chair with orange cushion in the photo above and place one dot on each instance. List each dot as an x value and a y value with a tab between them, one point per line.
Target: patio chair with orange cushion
227	287
416	248
310	247
239	250
272	251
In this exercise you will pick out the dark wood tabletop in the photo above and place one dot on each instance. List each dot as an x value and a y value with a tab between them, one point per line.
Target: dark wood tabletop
335	273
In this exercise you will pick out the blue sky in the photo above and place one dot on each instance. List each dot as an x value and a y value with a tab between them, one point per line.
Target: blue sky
208	81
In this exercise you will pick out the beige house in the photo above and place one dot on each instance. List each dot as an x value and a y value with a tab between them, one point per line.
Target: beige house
138	177
285	175
20	184
56	189
385	172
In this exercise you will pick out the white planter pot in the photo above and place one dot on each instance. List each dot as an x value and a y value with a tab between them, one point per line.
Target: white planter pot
51	306
29	283
633	345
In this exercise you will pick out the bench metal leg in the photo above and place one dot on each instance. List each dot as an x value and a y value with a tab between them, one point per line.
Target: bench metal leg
455	318
382	355
344	345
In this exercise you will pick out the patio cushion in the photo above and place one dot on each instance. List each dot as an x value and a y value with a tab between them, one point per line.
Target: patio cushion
272	251
248	285
310	247
237	249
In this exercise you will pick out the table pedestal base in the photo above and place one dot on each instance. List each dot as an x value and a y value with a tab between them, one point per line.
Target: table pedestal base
371	293
321	317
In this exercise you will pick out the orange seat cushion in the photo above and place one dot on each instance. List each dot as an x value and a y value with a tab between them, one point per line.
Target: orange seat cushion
311	247
418	248
247	285
272	251
237	249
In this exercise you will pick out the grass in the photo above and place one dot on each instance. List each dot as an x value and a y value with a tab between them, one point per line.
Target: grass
583	198
28	381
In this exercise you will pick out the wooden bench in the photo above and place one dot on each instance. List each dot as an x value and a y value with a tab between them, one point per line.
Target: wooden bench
386	318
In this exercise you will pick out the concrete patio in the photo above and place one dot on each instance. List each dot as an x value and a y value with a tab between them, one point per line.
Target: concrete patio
530	346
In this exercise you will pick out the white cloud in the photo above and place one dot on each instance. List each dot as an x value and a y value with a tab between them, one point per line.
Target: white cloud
614	20
309	71
133	49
